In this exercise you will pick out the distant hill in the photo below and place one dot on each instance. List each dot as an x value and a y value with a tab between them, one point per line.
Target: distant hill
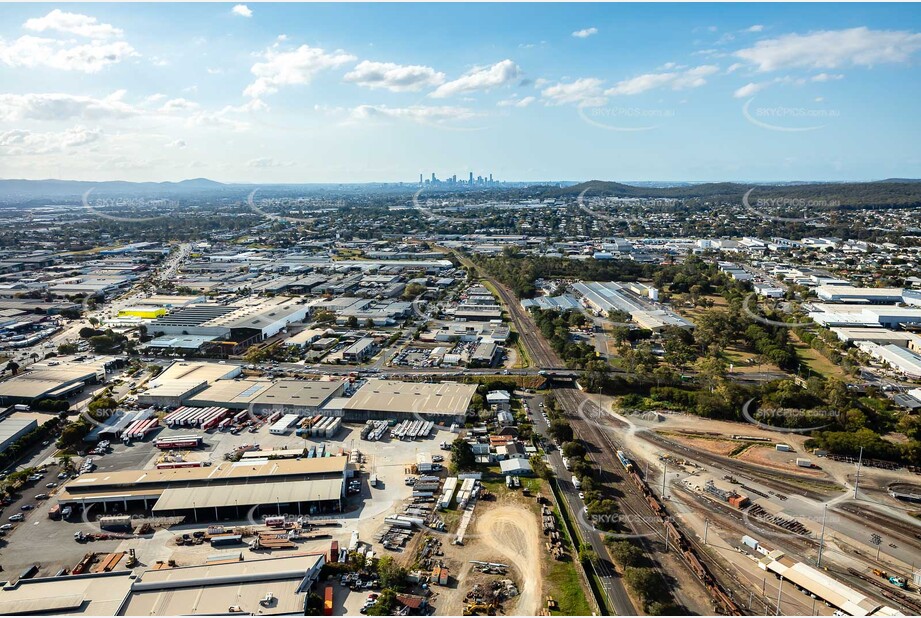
891	193
75	188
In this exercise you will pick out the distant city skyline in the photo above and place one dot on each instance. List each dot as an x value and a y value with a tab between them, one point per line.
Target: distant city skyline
322	93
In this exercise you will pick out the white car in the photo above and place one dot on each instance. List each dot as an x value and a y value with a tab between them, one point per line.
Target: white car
7	527
17	517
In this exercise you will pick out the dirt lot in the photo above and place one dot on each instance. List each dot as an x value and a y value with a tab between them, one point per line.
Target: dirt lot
779	460
710	445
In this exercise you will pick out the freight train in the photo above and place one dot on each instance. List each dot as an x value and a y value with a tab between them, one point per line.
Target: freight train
625	461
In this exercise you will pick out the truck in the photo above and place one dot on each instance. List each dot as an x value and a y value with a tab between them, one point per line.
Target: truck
55	512
576	482
328	601
373	480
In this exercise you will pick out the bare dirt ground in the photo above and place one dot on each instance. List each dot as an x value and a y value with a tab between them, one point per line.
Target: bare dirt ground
512	532
779	460
714	446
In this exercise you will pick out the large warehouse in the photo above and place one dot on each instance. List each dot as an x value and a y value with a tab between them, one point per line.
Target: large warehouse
221	588
51	381
302	486
241	324
301	397
444	402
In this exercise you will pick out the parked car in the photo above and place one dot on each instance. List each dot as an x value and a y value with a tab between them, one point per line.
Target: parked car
26	507
17	517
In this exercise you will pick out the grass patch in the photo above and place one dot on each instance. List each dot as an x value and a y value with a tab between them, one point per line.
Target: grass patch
814	360
563	584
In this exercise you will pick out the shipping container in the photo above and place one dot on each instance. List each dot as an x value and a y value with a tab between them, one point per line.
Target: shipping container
786	448
328	601
334	551
750	542
802	462
225	540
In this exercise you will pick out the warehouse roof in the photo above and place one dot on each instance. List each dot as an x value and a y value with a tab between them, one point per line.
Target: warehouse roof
232	393
248	494
300	392
225	471
201	372
214	588
98	594
412	397
828	589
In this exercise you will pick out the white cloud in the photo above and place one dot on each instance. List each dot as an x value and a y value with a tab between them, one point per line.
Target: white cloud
179	143
585	92
91	57
826	77
523	102
267	162
394	77
418	113
20	142
296	67
480	78
242	10
676	80
59	106
72	23
831	49
178	105
748	90
755	28
585	33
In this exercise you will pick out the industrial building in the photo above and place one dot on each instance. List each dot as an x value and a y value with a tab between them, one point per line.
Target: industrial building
212	493
301	397
388	399
850	294
240	587
14	427
181	381
97	594
231	586
603	297
360	351
829	315
824	587
899	359
51	380
241	325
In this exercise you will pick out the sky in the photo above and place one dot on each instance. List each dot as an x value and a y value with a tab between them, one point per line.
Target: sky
267	92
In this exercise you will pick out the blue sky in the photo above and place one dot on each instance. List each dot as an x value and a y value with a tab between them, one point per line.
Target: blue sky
354	92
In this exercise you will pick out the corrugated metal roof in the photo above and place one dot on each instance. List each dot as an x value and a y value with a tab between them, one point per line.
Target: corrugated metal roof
249	494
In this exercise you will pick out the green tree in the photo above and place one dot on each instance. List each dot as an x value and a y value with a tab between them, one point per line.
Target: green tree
462	457
644	582
390	573
68	348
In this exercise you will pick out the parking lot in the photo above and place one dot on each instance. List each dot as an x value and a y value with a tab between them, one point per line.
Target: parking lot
51	545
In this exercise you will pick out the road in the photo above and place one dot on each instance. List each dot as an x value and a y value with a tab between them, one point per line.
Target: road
613	586
545	357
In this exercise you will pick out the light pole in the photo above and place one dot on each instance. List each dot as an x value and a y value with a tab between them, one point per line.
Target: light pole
664	476
857	478
818	562
779	594
706	530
